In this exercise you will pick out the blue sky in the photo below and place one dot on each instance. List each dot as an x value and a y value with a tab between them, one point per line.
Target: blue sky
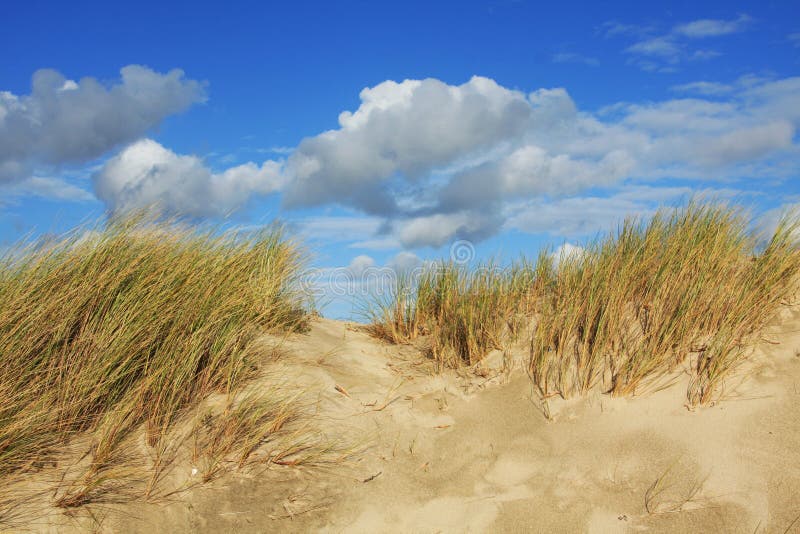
383	133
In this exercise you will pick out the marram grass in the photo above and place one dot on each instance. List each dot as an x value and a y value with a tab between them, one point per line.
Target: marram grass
116	333
689	287
463	312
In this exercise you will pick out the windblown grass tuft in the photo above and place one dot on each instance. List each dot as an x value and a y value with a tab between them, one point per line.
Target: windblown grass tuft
118	331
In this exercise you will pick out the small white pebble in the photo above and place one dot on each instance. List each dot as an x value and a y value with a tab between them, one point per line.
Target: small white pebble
194	471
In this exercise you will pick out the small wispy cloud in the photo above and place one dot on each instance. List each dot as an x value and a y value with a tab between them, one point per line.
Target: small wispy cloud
663	47
702	28
662	53
794	38
613	28
703	88
280	150
48	188
704	55
652	66
341	228
380	243
572	57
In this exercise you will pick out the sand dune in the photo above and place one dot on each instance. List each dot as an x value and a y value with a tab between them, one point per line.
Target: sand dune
472	453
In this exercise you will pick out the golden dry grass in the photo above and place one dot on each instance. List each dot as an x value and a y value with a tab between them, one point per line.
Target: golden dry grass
109	337
463	312
689	287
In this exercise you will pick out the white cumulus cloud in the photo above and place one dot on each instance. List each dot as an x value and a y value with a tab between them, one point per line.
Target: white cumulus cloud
421	162
407	128
359	265
464	184
65	122
146	174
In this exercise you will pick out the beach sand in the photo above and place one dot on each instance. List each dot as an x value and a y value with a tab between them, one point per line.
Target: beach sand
466	452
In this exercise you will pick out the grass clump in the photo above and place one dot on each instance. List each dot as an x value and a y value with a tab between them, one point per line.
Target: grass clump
470	313
463	312
399	316
687	286
109	332
690	286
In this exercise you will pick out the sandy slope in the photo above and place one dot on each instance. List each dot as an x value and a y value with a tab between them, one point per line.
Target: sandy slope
475	454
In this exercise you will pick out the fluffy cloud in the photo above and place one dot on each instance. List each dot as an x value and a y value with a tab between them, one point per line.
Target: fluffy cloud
743	144
436	230
701	139
359	265
147	174
422	162
416	156
62	121
531	171
405	262
407	128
